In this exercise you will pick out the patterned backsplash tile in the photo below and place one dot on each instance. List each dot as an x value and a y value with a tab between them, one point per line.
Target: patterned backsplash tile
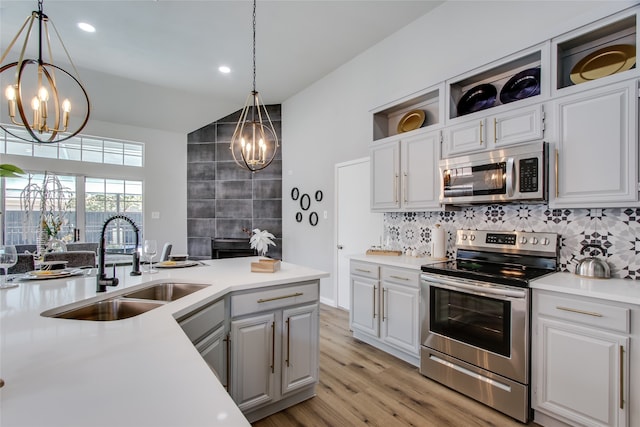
615	230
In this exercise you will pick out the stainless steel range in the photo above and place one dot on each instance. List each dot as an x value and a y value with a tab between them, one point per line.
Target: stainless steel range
475	316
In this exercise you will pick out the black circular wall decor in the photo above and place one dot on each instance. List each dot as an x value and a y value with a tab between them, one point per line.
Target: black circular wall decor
313	219
305	202
299	216
318	196
295	193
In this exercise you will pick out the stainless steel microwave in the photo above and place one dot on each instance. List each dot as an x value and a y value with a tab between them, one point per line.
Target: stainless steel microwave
513	174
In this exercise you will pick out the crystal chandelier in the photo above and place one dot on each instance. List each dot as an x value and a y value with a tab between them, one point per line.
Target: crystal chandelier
37	85
254	143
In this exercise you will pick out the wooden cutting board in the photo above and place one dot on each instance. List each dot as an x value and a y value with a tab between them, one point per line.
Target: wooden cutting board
383	252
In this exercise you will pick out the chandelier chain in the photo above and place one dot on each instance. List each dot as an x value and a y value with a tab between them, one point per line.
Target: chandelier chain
254	45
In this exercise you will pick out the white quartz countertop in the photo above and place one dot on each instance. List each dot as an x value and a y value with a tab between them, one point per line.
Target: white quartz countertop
141	371
403	261
619	290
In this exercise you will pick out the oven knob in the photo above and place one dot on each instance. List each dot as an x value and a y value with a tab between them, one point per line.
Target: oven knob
464	237
472	237
545	241
523	240
534	241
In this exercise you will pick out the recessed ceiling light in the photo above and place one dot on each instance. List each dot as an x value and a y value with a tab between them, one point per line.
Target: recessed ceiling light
224	69
86	27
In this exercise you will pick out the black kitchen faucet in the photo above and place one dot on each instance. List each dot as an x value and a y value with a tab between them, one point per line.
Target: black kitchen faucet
102	281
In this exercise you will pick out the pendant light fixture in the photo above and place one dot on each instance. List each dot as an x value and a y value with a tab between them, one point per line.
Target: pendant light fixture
42	87
254	143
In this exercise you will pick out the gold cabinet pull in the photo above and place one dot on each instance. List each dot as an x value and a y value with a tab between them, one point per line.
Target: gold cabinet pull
375	289
297	294
495	131
395	188
404	187
273	346
382	306
399	277
228	342
362	270
621	377
481	142
557	174
575	310
288	340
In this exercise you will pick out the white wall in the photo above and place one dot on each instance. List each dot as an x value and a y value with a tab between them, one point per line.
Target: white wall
329	122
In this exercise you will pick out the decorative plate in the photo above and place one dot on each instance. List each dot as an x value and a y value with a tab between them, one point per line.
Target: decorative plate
477	98
604	62
522	85
411	121
176	264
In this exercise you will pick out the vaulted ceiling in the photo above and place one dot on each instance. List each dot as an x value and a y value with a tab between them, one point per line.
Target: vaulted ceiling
179	45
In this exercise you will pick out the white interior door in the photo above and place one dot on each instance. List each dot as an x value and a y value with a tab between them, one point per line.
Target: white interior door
357	228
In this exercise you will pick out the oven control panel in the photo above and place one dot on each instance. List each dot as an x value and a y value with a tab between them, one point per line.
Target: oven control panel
507	241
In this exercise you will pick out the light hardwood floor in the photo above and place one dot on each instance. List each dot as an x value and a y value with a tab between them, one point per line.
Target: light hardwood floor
362	386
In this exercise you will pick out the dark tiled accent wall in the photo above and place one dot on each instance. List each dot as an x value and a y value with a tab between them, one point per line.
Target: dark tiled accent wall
222	198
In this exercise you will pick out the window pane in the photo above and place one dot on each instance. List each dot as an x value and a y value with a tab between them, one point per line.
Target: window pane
23	210
71	149
92	150
108	197
48	151
113	152
133	154
19	148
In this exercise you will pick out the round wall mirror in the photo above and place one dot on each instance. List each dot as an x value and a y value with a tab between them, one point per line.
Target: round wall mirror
305	202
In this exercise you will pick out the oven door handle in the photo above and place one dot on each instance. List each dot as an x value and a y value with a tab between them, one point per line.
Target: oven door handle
482	290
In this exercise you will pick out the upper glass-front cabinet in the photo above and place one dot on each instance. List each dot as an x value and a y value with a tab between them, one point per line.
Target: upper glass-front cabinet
513	79
411	113
602	52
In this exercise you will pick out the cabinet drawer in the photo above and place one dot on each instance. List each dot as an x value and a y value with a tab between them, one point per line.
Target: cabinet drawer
596	314
271	299
401	276
364	269
198	324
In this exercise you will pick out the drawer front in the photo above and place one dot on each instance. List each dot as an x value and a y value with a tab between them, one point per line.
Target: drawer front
364	269
401	276
201	322
271	299
591	313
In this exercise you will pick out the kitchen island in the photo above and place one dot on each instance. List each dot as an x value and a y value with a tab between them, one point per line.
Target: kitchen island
141	371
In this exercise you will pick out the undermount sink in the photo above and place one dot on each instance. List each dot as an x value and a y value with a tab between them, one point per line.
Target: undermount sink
110	309
128	305
165	291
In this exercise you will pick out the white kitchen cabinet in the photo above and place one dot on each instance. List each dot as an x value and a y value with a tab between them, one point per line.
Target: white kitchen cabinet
495	131
596	155
207	330
399	306
580	361
274	348
253	343
385	308
213	350
300	347
404	173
